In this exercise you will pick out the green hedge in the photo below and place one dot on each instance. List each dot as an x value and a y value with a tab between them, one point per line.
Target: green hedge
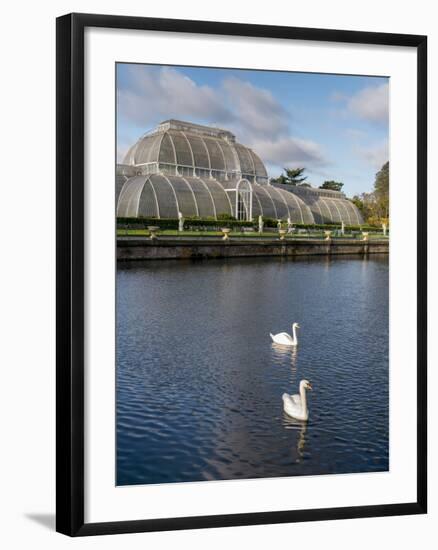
172	223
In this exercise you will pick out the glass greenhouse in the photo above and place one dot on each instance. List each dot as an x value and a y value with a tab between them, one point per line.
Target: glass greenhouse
202	171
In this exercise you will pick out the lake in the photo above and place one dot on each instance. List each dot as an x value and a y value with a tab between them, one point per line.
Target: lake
199	383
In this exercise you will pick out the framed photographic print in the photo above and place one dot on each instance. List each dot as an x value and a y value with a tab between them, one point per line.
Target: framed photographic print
241	274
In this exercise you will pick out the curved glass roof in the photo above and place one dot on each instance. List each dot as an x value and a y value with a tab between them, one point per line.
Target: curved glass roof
120	182
163	196
334	210
195	170
186	145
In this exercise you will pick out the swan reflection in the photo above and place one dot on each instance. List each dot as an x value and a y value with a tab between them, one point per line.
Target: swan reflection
300	428
285	354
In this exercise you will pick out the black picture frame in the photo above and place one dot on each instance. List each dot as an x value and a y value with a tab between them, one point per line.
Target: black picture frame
70	273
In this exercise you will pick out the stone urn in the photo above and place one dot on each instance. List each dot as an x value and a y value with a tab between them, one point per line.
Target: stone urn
282	233
328	235
225	233
153	229
365	236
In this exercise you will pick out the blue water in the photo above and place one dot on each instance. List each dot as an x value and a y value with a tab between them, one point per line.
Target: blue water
199	384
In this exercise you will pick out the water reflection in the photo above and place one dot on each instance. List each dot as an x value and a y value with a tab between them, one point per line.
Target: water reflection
299	427
286	355
209	406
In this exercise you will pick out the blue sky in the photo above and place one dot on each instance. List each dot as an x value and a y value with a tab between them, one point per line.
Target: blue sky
336	126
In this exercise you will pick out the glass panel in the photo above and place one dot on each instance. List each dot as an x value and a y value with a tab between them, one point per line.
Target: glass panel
143	149
356	216
265	201
218	174
299	211
216	156
316	211
167	154
231	161
148	205
221	201
334	210
129	157
203	197
165	196
186	201
199	151
311	202
129	197
185	171
168	169
326	212
183	153
277	197
120	182
260	169
202	173
307	214
256	210
246	164
345	214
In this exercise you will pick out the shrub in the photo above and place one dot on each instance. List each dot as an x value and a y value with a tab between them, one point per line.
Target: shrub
225	216
209	222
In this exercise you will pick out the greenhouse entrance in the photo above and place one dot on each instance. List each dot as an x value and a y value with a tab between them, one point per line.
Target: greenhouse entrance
244	201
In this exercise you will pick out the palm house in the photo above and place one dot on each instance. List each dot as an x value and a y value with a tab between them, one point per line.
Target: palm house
202	171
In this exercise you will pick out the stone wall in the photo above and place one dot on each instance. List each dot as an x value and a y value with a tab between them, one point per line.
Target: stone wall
166	248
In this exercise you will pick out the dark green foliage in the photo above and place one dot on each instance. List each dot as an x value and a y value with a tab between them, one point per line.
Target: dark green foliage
374	206
292	176
281	179
172	223
332	185
225	216
381	191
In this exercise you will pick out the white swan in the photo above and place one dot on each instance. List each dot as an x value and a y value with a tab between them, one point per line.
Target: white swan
284	339
296	405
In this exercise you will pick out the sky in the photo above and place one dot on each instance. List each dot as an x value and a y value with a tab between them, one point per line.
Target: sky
335	126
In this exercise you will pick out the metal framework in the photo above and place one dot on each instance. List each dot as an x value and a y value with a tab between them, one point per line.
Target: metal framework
202	171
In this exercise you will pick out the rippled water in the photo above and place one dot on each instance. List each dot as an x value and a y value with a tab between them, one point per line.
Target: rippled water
199	384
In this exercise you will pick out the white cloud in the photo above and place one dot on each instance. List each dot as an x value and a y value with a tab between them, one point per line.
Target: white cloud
252	113
371	103
256	112
374	155
289	151
167	93
355	134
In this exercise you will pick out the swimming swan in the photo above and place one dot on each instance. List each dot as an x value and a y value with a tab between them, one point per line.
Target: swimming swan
296	405
284	339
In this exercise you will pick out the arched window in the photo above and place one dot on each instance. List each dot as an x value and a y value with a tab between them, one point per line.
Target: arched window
243	208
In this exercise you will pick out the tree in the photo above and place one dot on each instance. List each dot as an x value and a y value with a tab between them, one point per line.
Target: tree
374	206
381	191
365	205
333	185
281	179
292	176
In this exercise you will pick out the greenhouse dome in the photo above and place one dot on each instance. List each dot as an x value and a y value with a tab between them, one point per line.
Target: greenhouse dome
202	171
